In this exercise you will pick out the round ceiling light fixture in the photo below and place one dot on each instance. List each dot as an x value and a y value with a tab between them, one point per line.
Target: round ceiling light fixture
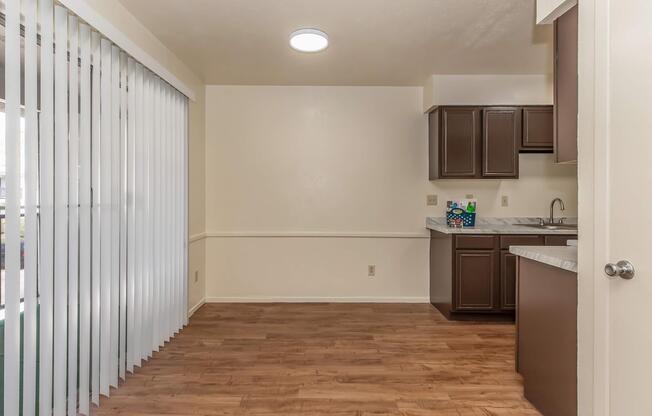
308	40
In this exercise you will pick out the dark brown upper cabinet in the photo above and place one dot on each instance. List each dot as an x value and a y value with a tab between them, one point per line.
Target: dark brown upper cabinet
537	129
501	139
474	142
565	90
459	142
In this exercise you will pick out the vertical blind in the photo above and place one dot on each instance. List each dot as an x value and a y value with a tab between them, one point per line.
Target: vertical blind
95	220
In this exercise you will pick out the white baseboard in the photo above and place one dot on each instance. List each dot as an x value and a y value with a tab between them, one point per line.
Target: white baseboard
318	299
197	306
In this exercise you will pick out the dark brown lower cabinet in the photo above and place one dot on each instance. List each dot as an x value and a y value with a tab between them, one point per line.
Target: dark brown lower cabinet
476	274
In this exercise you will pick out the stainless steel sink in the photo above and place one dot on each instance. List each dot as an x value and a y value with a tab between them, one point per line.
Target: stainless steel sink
550	226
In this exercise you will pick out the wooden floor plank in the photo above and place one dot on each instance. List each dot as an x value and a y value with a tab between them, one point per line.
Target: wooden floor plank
326	359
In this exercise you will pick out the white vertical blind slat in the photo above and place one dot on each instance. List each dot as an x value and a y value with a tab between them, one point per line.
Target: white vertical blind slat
123	215
177	214
182	241
60	208
73	216
145	242
144	218
185	211
180	175
163	209
114	116
148	340
155	209
31	207
165	174
84	218
138	199
96	223
46	207
131	258
174	315
12	209
106	339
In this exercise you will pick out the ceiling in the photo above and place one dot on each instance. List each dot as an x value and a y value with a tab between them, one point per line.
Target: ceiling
372	42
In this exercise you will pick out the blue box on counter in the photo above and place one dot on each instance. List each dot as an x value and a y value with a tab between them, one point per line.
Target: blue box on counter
461	213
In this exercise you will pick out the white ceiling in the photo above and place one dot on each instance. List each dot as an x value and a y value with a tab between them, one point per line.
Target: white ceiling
372	42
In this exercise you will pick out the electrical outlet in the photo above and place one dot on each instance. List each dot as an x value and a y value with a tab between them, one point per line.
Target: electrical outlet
431	200
371	270
196	276
469	196
504	201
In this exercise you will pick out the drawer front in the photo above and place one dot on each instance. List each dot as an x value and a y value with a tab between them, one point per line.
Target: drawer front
520	240
479	242
559	240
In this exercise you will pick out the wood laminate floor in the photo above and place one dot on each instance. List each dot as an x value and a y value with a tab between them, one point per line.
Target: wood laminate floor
326	359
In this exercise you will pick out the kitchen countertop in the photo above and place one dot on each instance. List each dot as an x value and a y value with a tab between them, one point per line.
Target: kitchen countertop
489	225
564	257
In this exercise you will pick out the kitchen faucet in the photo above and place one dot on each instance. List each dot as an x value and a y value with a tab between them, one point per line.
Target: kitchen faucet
552	210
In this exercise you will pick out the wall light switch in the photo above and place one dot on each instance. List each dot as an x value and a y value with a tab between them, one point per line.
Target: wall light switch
431	200
196	276
504	201
371	270
469	196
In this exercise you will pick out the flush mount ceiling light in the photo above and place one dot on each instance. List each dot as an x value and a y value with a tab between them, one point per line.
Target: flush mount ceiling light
308	40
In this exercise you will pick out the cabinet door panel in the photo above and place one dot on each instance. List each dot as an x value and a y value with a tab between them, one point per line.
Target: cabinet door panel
565	91
459	140
475	280
501	139
537	129
507	280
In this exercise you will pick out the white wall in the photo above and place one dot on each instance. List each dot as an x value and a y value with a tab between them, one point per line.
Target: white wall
306	186
540	181
343	164
489	89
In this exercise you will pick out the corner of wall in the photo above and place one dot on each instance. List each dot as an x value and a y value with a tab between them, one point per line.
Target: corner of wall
428	94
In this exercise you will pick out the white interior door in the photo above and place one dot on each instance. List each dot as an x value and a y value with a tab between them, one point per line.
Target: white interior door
624	189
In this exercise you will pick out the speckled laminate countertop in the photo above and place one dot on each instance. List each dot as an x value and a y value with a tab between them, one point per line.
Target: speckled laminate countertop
511	225
564	257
